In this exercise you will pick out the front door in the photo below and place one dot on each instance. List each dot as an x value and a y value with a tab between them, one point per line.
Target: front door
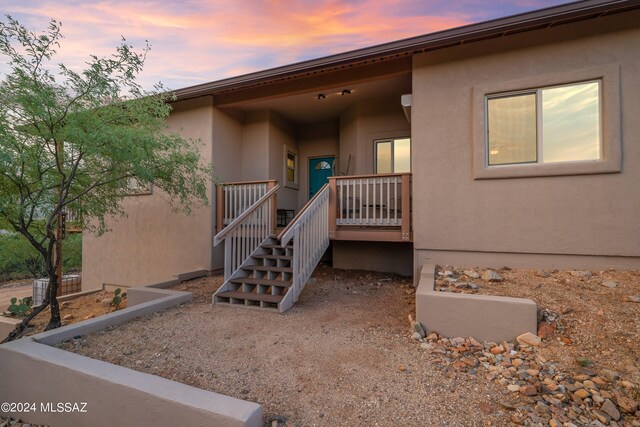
320	169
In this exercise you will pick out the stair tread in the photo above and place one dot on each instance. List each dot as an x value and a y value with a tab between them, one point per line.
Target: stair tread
254	281
270	246
268	256
268	268
252	296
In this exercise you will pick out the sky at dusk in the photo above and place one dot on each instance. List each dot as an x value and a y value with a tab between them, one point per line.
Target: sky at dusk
196	41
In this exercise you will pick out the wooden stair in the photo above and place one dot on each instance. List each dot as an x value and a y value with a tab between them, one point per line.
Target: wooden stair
261	282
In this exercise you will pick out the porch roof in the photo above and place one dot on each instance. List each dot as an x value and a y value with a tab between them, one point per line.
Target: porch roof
538	19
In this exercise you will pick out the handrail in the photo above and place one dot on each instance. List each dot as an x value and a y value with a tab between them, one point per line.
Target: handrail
286	234
229	228
373	175
264	181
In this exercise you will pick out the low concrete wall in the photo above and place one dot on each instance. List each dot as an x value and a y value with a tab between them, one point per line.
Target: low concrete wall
486	318
7	324
114	395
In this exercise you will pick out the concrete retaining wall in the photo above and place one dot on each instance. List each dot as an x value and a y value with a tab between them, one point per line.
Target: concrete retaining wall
33	371
486	318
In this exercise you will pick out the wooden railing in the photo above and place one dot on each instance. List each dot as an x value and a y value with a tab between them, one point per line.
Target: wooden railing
310	233
379	203
247	232
233	198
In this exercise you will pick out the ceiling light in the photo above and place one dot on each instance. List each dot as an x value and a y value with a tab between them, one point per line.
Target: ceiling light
346	92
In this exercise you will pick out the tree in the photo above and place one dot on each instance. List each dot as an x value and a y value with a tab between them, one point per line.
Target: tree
80	141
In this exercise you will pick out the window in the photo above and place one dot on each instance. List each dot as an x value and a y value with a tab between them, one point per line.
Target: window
290	170
546	125
291	167
393	155
136	188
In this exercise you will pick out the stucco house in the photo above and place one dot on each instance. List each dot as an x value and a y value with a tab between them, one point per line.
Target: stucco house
509	142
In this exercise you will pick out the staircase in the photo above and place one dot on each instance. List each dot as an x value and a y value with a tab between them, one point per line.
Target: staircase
262	281
266	271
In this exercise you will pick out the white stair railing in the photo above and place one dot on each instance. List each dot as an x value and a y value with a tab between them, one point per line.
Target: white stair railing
310	233
247	232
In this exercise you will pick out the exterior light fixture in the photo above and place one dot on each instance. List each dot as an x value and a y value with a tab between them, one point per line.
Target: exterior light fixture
346	92
321	96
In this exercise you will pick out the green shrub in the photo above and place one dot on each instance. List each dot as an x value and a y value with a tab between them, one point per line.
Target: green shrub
18	259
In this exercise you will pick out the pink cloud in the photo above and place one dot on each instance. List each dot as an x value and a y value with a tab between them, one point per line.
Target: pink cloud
198	40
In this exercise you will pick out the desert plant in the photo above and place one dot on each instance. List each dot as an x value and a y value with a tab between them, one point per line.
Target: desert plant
584	362
79	141
20	307
118	298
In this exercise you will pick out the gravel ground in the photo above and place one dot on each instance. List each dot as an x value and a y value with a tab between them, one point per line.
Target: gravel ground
341	356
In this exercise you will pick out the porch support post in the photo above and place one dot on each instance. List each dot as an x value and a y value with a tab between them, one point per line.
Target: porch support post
219	206
406	207
333	198
274	205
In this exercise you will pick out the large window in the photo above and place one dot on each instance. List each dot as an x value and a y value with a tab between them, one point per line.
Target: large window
545	125
393	155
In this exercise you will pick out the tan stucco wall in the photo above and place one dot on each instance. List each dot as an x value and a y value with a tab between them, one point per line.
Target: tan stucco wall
255	147
536	217
364	123
318	140
282	134
152	243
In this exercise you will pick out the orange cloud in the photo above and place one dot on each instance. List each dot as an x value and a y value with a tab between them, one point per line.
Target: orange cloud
198	40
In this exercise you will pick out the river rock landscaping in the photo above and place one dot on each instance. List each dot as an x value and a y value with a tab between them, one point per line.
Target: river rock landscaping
582	366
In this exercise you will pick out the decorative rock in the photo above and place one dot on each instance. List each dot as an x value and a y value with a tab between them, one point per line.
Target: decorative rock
628	405
610	284
416	327
457	341
471	274
582	393
497	350
528	390
529	339
635	299
545	330
487	408
566	340
416	336
610	375
491	276
581	273
106	302
426	346
543	274
611	409
513	387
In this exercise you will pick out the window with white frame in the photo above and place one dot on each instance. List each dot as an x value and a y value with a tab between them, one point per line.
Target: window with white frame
545	125
290	178
393	155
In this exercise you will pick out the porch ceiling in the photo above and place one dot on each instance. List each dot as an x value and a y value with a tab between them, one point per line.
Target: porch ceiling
305	108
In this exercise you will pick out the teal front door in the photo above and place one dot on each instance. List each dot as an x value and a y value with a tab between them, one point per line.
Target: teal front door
320	169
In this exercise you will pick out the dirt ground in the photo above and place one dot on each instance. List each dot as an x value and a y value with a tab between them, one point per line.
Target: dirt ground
73	311
592	310
341	356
